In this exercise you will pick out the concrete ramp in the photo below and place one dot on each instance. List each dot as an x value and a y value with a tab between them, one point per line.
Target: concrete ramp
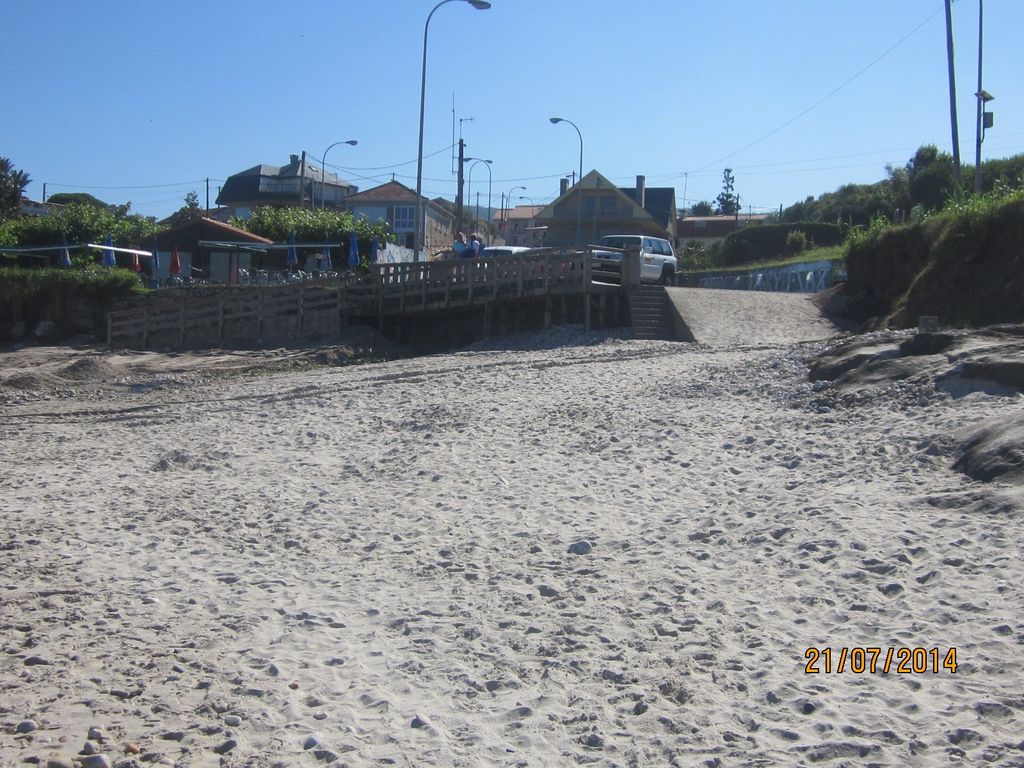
742	318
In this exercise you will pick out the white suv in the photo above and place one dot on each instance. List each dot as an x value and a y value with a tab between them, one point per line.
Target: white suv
657	259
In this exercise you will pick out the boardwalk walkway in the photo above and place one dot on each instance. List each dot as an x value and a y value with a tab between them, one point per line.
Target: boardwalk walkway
500	291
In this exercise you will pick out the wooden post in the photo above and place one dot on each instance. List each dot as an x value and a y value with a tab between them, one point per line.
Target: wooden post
302	308
181	321
339	323
522	268
259	314
586	311
220	318
547	311
343	288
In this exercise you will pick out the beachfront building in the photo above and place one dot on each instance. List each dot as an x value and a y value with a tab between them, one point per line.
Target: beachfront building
396	203
216	264
606	210
522	228
302	182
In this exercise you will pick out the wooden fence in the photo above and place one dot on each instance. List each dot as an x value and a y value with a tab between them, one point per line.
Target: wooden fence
240	314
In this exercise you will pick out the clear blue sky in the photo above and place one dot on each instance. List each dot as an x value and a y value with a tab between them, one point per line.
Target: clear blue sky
141	101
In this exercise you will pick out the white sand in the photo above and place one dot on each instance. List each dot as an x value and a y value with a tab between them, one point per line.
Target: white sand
336	553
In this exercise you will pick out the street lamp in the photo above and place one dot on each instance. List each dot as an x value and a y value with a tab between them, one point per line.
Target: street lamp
529	238
983	98
480	5
470	184
985	120
509	198
323	170
579	211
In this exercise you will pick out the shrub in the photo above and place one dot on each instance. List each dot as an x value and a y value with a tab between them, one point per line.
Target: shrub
796	242
61	296
768	241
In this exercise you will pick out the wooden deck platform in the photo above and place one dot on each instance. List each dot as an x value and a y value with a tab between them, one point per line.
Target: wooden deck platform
219	315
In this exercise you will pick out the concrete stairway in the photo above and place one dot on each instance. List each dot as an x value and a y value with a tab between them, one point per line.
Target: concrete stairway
650	314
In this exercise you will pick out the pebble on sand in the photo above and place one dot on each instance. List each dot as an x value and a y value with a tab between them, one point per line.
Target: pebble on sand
581	547
27	726
313	740
227	746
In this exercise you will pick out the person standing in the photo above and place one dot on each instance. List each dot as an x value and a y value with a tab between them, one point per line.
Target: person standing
475	246
459	246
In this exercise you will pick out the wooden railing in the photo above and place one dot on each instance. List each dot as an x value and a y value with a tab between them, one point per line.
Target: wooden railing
441	284
236	314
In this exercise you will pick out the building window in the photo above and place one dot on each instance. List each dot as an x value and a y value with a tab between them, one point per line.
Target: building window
588	207
405	217
609	208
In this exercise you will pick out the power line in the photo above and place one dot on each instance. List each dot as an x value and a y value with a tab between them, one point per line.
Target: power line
142	186
386	167
827	96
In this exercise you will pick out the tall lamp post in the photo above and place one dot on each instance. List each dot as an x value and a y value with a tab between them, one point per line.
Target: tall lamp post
480	5
983	97
323	171
529	235
579	211
509	198
470	184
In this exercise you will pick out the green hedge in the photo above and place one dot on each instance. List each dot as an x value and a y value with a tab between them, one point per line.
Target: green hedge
66	297
768	241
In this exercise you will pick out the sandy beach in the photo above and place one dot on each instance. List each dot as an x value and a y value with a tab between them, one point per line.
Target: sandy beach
612	553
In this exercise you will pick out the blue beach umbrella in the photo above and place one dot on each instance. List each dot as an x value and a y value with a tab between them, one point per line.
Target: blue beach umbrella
293	255
325	260
156	258
65	254
109	260
373	250
353	251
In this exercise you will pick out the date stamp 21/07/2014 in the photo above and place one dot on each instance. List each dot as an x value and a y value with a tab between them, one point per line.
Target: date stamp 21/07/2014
873	659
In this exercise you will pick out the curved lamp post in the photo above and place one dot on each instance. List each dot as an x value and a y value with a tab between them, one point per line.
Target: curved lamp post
579	211
509	198
480	5
323	171
488	164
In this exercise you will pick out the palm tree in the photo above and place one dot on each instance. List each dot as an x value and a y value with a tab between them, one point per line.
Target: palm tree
12	188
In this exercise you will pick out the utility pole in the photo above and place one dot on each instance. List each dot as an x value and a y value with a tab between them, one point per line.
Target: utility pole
458	194
302	181
207	195
952	91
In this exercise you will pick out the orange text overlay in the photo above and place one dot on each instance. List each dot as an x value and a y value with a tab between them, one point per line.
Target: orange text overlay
902	661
